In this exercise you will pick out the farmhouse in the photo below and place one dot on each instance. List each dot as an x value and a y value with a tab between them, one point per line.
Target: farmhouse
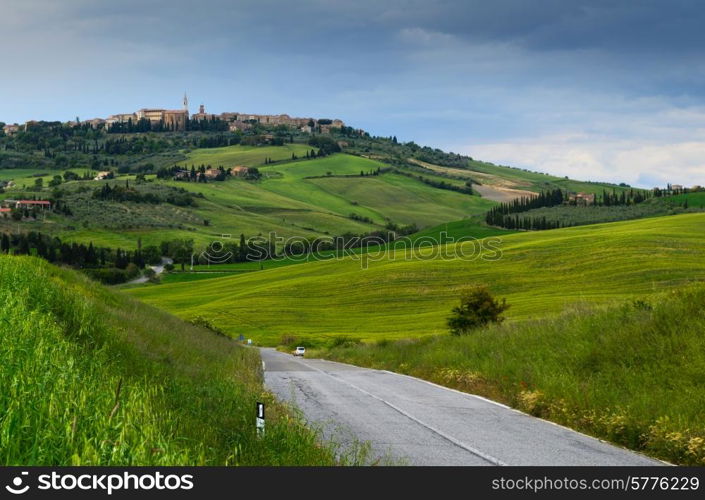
11	129
582	198
239	171
182	174
33	203
212	173
103	175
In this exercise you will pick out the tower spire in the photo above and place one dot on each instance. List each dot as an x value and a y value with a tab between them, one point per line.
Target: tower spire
185	102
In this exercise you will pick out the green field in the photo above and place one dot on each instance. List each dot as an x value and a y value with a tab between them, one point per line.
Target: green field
472	227
89	376
250	156
630	373
24	178
465	229
695	200
398	297
516	178
535	181
306	198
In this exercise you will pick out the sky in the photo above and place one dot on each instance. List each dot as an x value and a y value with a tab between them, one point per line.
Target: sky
595	90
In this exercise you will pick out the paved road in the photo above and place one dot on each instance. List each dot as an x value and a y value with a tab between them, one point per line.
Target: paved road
158	269
410	421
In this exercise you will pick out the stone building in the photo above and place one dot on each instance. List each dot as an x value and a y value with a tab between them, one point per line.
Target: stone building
11	129
175	119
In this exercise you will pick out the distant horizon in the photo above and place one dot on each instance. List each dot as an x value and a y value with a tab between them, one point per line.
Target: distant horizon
586	88
208	111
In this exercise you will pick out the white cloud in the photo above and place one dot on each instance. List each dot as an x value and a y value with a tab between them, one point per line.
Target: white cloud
644	164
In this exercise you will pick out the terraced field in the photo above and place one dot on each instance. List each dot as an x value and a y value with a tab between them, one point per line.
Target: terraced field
398	296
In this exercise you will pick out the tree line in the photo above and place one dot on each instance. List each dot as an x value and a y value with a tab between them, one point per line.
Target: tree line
466	188
105	264
120	193
506	214
198	174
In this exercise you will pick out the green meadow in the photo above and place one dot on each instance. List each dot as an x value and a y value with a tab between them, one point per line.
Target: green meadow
472	227
402	295
250	156
304	198
25	178
516	178
89	376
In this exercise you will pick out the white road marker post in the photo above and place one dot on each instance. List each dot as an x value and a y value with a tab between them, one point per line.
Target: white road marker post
260	420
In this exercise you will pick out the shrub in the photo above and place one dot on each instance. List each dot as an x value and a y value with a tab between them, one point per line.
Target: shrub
206	323
477	308
288	340
344	341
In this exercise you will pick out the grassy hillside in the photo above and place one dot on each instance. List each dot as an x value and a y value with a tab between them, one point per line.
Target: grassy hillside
572	215
306	198
251	156
89	376
398	297
442	234
471	227
631	373
503	183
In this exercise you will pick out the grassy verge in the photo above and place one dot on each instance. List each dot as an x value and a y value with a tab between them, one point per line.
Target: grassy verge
631	373
89	376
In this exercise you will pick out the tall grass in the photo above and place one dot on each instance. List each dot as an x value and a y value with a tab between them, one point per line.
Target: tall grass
630	373
91	377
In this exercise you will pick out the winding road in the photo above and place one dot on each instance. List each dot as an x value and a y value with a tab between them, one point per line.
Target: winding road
158	269
410	421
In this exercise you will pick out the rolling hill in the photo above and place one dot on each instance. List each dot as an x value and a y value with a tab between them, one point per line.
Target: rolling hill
304	198
540	273
89	376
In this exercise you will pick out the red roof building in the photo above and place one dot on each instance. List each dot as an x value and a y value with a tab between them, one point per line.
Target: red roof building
33	203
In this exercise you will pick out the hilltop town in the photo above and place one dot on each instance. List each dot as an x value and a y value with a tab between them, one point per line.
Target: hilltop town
178	120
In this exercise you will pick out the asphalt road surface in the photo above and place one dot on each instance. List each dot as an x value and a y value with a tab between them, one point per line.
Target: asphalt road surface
409	421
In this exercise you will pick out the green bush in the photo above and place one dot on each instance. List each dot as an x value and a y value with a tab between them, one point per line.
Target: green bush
477	308
112	275
344	341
